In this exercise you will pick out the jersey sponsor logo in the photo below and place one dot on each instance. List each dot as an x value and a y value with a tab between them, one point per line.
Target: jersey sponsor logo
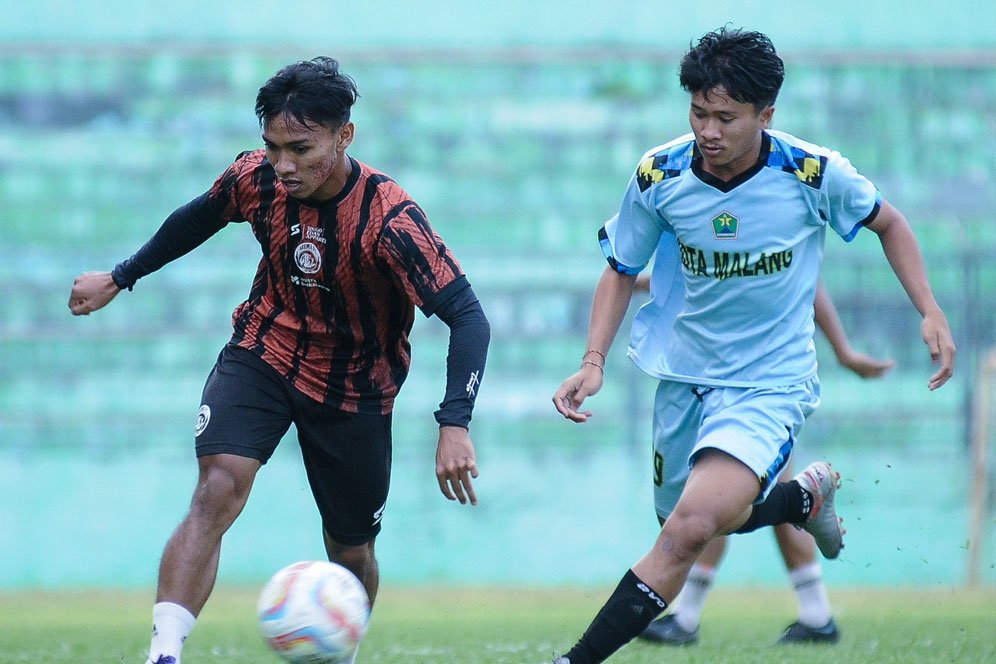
739	264
726	264
725	226
308	258
203	417
316	234
307	282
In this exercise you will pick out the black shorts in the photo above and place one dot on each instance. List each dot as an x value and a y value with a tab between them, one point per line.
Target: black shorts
247	407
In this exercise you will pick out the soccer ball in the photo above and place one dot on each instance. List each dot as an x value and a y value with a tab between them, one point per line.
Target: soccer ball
313	612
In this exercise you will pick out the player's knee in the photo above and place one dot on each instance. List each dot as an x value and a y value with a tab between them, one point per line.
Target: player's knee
220	495
688	533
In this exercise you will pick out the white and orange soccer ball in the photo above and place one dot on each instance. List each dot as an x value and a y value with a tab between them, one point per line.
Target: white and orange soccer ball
313	612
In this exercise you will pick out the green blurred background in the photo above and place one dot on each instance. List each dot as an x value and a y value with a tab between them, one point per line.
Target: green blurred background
516	125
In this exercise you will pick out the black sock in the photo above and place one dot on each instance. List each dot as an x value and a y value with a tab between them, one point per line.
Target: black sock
628	611
788	502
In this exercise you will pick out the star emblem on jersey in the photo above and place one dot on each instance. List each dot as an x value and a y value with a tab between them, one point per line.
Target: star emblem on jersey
725	226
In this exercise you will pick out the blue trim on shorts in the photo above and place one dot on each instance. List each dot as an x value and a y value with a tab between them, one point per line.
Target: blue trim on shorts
778	465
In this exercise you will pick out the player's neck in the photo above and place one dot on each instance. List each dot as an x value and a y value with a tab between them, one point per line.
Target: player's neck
337	179
747	162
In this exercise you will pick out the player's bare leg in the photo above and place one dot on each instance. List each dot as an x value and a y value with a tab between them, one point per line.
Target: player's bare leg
680	627
815	622
360	560
189	566
716	500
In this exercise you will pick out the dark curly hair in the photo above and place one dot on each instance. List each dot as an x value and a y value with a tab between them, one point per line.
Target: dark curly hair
744	63
310	91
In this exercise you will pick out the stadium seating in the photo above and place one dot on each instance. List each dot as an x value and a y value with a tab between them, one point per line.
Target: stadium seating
517	162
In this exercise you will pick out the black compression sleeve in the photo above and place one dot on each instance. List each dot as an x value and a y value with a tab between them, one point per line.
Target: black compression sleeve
187	228
470	334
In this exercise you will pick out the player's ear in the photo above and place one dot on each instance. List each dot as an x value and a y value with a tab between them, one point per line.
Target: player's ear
344	135
766	115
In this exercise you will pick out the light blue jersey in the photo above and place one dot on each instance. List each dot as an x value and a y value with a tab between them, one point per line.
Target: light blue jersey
737	262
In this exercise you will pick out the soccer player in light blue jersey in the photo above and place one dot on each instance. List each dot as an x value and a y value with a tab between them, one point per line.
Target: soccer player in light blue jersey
743	212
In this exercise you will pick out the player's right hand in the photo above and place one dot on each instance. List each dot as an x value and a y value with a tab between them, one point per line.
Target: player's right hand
91	291
573	391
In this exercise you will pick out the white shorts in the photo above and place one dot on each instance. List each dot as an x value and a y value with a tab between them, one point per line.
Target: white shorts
757	425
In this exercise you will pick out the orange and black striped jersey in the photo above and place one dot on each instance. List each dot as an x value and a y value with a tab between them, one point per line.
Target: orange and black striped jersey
334	297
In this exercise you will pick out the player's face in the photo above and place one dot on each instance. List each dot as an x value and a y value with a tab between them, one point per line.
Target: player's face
309	159
727	132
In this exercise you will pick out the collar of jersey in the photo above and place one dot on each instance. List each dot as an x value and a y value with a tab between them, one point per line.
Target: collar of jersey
730	185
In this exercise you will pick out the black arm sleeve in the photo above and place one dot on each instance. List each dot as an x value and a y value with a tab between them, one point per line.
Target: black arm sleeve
470	334
186	229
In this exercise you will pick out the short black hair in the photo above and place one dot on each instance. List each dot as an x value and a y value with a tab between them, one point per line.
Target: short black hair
743	62
310	91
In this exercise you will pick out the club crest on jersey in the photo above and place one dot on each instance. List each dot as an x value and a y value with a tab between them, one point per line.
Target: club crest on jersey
725	226
203	417
308	258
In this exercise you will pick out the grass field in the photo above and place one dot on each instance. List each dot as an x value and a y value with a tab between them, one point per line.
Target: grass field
509	626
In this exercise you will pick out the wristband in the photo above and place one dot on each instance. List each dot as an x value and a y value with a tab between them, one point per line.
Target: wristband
596	352
594	364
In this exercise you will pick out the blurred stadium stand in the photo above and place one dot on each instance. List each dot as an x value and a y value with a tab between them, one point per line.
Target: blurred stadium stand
518	154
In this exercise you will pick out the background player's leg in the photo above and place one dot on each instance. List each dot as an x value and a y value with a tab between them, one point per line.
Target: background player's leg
815	622
681	625
696	589
798	549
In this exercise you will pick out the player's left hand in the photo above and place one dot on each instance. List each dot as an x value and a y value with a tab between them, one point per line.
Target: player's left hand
864	365
937	335
456	464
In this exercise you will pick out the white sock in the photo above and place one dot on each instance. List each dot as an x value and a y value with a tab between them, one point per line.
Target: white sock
171	624
814	605
693	597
